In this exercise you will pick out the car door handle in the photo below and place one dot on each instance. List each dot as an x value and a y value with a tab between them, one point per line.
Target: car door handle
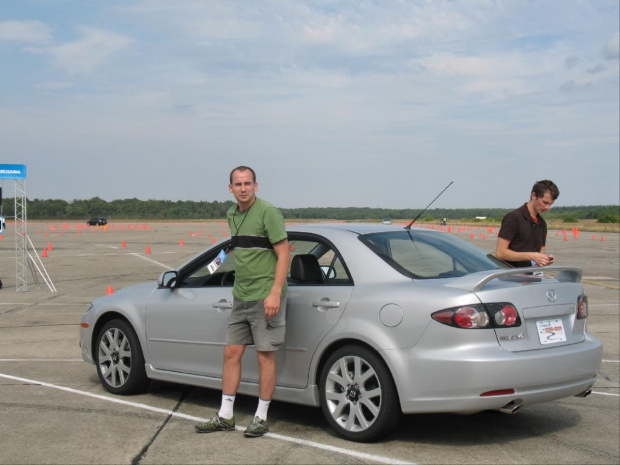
326	303
223	305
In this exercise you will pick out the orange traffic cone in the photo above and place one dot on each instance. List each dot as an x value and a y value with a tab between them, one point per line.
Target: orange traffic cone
292	247
602	238
148	249
49	246
45	252
110	290
181	242
124	245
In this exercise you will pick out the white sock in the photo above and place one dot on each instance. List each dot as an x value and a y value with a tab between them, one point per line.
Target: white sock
263	406
226	410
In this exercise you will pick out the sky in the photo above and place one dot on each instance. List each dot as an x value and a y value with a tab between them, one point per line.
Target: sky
351	103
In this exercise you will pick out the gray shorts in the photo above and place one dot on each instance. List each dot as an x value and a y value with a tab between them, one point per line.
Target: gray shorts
247	325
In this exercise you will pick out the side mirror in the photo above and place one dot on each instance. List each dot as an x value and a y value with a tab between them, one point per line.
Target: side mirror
332	272
167	279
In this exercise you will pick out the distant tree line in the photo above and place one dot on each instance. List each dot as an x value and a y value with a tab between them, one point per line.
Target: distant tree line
39	209
491	214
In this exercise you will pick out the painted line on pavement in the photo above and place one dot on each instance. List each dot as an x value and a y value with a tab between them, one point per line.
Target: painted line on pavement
316	445
599	283
41	360
606	394
168	267
46	304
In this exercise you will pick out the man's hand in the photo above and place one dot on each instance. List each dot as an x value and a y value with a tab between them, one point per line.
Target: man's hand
272	305
542	259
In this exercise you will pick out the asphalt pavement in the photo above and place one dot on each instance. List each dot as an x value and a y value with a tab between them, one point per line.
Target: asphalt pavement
54	409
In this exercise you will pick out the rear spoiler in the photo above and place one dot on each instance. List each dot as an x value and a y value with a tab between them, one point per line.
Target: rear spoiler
475	281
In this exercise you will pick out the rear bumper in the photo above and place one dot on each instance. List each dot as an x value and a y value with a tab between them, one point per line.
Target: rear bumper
452	380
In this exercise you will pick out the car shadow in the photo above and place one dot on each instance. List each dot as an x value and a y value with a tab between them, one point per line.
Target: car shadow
437	429
486	427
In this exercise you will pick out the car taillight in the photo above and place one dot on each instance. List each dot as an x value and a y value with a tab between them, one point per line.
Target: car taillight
478	316
582	307
469	317
506	316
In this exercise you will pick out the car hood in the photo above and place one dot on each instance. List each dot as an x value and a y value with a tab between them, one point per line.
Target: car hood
138	292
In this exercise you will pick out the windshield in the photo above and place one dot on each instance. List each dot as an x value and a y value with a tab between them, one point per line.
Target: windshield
430	255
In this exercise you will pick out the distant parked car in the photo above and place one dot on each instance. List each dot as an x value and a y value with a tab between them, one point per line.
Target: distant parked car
2	224
97	222
379	321
387	221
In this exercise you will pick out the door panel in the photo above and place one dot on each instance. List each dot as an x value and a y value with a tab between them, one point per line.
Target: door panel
185	332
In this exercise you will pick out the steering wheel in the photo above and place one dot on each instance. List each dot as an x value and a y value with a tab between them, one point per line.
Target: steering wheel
228	278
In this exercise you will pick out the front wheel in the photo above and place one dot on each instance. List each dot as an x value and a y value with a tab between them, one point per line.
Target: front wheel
358	395
120	362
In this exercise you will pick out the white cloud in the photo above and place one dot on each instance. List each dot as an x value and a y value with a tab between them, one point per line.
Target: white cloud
316	78
24	31
86	54
495	75
612	49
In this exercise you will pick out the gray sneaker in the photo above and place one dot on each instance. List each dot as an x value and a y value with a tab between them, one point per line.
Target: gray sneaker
256	429
216	424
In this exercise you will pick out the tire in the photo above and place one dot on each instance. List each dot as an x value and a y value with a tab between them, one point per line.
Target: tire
119	359
358	395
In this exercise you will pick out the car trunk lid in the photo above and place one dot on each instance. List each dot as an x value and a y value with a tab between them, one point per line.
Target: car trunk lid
546	303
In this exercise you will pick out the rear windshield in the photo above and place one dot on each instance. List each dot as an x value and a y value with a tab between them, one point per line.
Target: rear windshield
430	255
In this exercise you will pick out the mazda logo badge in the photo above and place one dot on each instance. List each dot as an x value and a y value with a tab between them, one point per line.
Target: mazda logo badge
551	295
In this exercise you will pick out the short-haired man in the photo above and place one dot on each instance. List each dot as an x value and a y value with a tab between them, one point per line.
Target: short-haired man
523	235
262	259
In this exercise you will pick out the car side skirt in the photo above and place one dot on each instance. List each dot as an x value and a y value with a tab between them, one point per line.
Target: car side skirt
306	396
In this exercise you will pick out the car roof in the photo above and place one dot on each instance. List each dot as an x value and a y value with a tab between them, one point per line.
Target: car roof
356	228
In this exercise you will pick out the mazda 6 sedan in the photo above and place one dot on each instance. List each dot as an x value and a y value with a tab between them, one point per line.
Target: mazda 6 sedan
381	320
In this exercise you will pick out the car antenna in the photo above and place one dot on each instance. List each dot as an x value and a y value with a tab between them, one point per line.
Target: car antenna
420	214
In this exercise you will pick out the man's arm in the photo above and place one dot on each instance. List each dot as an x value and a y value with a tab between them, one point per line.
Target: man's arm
272	302
504	253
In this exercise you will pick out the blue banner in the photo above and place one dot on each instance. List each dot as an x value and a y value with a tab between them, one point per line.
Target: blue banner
12	171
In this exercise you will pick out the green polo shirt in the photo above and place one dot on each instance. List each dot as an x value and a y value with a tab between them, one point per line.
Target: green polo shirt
254	233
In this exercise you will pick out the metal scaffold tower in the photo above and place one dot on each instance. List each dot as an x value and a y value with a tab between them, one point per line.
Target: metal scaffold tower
24	260
21	237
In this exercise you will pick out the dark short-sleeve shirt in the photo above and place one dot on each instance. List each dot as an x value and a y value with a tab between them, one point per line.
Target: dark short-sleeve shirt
524	234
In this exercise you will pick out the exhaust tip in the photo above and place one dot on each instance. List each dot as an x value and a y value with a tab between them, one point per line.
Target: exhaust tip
511	408
585	393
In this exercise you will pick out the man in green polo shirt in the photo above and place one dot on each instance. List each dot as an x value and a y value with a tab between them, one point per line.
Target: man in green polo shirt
262	259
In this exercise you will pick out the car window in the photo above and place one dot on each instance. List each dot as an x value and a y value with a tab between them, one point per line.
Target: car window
203	273
334	271
429	255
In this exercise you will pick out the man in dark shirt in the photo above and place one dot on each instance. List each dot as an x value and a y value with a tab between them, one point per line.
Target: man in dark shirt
523	235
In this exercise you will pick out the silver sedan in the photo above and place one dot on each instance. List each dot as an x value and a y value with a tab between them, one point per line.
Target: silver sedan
381	320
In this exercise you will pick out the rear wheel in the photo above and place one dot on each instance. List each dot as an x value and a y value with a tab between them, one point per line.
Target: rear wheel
120	362
358	395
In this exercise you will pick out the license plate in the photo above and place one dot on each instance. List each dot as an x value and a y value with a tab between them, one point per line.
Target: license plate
551	331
